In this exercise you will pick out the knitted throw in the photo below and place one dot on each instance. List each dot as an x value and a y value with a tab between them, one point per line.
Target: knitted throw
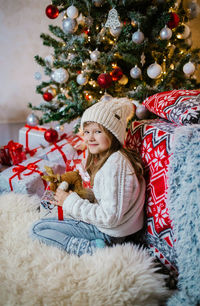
184	208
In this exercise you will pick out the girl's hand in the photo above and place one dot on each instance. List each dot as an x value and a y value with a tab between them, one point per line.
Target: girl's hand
60	196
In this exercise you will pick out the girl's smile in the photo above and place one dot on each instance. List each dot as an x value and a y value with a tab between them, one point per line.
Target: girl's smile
95	138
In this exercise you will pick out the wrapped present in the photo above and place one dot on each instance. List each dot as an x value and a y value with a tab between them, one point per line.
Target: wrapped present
4	157
32	137
63	151
15	152
27	177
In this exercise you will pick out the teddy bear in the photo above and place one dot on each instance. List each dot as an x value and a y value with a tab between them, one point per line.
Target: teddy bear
70	180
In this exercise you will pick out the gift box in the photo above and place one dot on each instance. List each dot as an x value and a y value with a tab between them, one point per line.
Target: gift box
63	151
27	177
32	137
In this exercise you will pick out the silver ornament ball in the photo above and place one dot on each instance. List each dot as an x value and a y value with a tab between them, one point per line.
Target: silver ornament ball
69	25
95	55
32	120
82	79
186	32
135	72
106	97
142	112
138	37
72	12
189	68
165	33
154	71
60	75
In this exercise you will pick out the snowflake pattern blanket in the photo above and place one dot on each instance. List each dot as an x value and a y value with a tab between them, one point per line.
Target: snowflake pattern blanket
153	140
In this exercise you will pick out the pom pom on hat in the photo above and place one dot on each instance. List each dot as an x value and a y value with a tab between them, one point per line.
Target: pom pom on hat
112	114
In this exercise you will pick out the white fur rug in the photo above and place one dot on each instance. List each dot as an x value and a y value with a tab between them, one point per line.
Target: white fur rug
35	274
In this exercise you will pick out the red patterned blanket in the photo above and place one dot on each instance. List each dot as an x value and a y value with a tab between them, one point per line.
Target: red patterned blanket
153	140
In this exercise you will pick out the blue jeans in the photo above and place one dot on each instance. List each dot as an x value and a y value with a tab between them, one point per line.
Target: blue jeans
72	236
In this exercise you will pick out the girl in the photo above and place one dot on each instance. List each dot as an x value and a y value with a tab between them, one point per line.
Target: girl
118	185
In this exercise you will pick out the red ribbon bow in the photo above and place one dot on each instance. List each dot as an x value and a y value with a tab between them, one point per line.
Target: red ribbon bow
13	146
21	168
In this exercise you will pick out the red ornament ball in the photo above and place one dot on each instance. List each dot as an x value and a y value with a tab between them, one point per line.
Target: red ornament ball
52	11
47	96
116	74
104	80
51	135
174	21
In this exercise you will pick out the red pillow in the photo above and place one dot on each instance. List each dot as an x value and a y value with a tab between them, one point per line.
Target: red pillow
179	106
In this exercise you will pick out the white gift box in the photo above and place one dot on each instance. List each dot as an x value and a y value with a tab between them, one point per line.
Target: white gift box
32	137
62	151
26	177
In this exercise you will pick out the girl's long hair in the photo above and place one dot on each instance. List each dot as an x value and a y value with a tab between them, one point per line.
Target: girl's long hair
95	162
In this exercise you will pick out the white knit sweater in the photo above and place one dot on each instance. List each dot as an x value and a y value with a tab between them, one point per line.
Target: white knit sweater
120	199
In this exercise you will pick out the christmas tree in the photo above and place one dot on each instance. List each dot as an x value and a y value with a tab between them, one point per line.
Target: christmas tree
103	48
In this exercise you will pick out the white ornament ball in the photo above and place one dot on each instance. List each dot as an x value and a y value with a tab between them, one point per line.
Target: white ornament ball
186	32
138	37
69	25
123	80
49	59
60	75
142	112
189	68
32	120
72	12
81	79
95	55
135	72
115	32
154	71
165	33
106	97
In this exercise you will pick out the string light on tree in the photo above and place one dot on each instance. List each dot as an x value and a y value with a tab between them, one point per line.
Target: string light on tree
154	71
189	68
52	11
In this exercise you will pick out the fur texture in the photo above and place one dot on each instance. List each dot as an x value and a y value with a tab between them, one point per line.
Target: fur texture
35	274
184	207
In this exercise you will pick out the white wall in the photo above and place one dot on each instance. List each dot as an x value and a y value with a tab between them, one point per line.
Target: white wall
21	23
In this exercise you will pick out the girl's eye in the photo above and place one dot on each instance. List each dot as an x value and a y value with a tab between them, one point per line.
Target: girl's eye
85	132
98	131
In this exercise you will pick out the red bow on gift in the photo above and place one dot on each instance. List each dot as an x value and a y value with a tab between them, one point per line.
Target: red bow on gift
20	168
15	152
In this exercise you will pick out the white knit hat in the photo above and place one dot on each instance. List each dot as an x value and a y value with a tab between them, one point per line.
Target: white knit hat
112	114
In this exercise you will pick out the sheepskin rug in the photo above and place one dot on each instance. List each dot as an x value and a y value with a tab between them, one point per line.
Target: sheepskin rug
35	274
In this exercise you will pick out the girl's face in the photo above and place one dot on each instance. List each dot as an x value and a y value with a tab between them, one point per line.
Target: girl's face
95	138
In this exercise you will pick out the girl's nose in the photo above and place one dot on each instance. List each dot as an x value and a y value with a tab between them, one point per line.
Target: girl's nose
91	136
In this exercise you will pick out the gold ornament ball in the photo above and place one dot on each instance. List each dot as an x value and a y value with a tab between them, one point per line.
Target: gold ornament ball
123	80
53	91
